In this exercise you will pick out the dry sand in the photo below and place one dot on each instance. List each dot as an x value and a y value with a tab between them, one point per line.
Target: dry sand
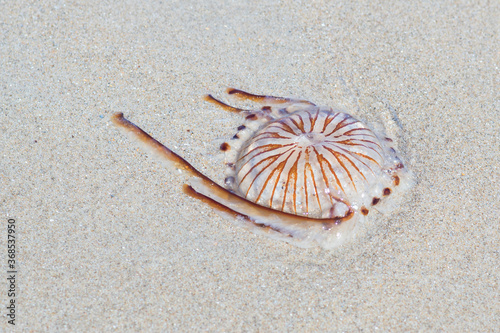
107	241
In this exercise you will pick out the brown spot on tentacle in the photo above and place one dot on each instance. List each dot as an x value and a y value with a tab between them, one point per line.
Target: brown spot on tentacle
225	146
252	116
241	127
388	139
387	191
375	201
236	136
396	180
364	211
229	182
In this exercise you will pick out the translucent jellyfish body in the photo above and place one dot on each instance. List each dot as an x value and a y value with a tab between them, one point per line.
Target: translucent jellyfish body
296	171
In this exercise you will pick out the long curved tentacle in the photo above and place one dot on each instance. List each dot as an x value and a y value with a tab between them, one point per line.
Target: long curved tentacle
224	106
206	187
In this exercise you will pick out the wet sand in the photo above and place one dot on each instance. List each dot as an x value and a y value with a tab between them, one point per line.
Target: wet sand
107	240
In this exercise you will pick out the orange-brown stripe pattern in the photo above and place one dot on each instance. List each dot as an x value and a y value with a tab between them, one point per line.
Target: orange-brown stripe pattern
307	162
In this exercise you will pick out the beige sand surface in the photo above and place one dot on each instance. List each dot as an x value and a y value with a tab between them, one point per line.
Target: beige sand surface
107	241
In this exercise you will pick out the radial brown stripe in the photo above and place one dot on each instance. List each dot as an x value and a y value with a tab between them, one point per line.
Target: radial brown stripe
272	159
286	188
348	133
313	120
356	155
361	161
264	168
334	153
322	161
297	125
337	180
265	148
305	180
277	181
328	120
283	127
333	143
341	125
269	135
260	162
300	124
293	170
314	185
362	140
353	164
278	168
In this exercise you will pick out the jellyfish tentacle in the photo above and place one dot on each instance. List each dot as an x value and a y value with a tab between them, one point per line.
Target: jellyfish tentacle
173	160
265	99
209	98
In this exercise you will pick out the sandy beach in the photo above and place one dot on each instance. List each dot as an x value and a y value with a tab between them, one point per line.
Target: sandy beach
105	238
